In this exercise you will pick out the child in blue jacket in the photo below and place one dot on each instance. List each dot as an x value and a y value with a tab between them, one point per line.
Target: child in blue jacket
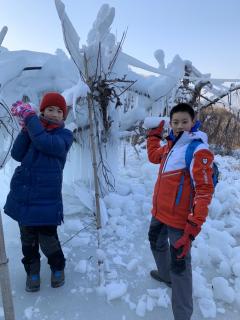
35	197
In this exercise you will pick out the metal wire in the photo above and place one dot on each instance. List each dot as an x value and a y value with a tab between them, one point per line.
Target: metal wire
76	234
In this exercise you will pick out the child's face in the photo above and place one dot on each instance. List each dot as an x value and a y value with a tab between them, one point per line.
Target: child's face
181	121
53	113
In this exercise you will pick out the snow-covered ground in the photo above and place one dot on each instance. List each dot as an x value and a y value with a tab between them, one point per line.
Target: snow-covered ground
129	292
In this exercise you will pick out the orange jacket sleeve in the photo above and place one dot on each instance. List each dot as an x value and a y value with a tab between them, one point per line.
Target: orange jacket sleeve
202	177
154	150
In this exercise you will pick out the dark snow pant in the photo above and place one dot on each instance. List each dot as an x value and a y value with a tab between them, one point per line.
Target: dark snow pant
178	271
47	238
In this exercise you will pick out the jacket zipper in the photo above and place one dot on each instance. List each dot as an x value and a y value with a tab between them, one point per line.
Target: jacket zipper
171	174
165	163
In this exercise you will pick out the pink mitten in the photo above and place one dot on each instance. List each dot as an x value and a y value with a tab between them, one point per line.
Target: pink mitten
22	110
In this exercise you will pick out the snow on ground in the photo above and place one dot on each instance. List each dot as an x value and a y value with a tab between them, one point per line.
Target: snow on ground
129	292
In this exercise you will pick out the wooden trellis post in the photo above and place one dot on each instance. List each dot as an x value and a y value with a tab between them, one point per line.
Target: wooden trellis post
96	185
5	279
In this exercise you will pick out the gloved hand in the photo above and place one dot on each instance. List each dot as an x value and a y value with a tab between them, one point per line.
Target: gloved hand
190	232
156	132
22	111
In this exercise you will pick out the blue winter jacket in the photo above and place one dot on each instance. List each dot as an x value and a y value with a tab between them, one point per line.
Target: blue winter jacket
35	196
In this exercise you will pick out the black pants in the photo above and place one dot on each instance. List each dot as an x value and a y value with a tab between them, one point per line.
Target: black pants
47	238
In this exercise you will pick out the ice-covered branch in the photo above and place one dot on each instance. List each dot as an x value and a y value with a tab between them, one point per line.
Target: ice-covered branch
224	94
142	65
3	34
71	38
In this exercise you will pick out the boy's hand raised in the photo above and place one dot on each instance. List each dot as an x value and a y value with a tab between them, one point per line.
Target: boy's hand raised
156	132
190	232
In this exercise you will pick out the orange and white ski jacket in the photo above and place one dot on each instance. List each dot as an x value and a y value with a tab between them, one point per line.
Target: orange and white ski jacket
194	199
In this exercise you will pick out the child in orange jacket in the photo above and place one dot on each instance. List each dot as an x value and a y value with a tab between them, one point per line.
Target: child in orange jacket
180	204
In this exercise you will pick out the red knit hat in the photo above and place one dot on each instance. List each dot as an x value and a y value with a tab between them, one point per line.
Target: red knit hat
54	99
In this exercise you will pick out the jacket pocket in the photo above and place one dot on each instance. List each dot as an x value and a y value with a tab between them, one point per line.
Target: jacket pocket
49	179
47	187
167	192
183	207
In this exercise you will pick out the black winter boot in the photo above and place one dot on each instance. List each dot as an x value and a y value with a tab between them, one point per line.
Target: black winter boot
155	275
33	283
57	278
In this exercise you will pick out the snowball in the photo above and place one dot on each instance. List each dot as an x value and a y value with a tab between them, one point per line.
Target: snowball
123	189
131	304
118	260
222	291
112	274
141	308
122	232
138	188
237	284
221	310
114	212
215	208
207	307
164	300
79	242
101	255
103	213
115	290
235	261
149	171
132	264
200	286
153	122
223	237
161	294
215	255
219	225
28	312
81	266
146	207
225	269
101	290
236	269
155	293
113	200
150	303
73	225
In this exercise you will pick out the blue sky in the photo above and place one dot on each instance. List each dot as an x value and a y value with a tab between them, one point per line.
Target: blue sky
207	32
